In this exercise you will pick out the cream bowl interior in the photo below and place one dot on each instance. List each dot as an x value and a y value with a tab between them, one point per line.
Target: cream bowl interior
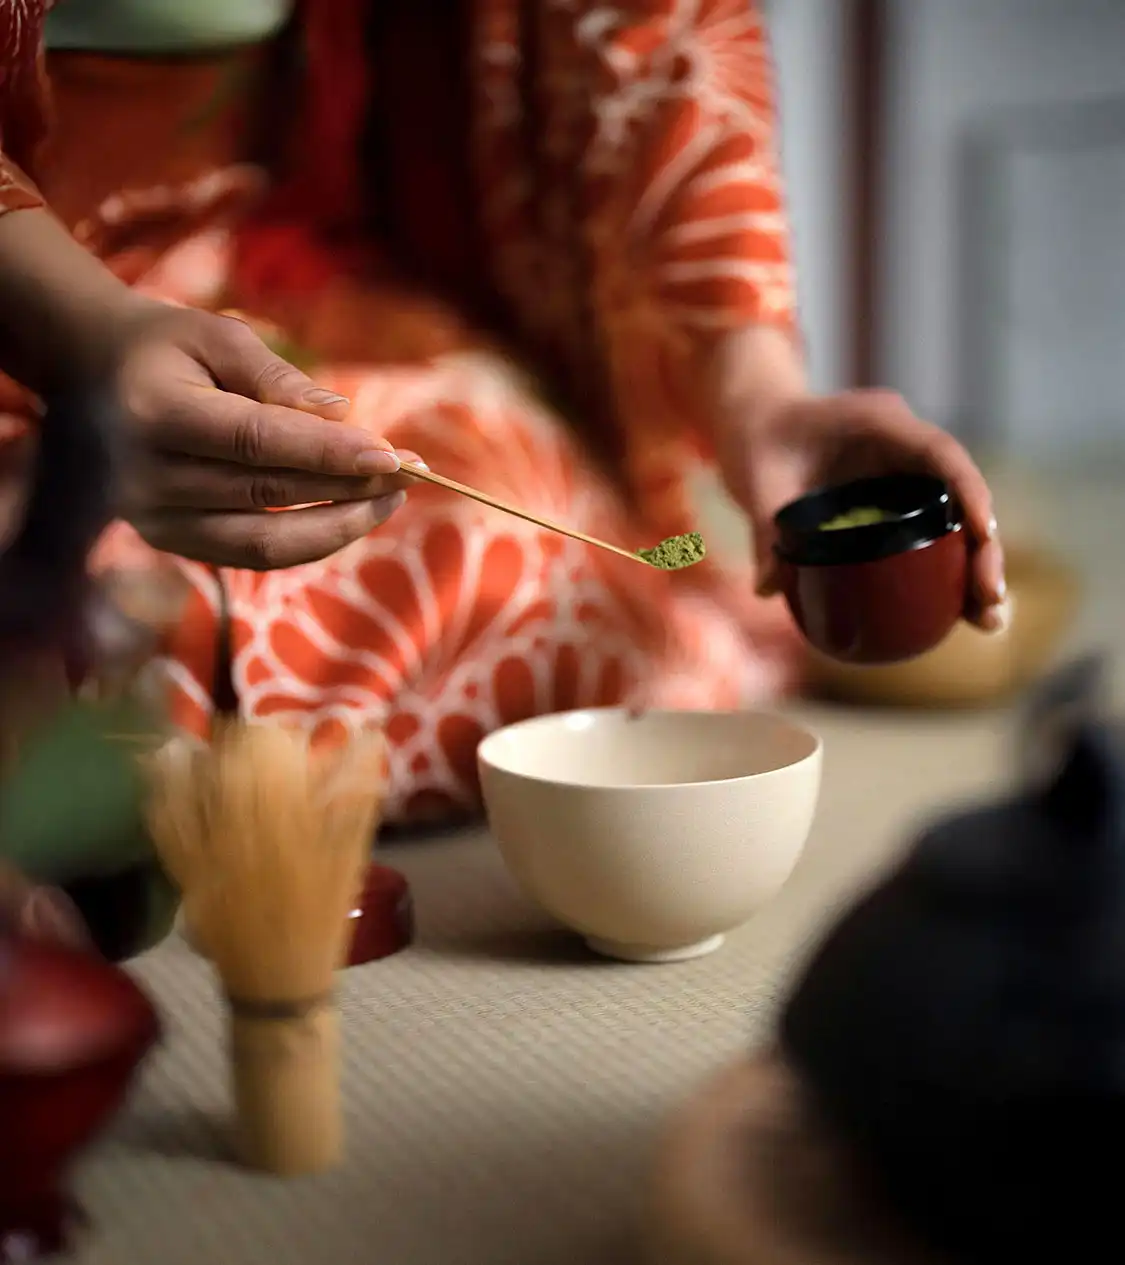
608	748
651	836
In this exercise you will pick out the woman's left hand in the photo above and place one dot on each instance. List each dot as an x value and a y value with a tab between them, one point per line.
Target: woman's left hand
777	452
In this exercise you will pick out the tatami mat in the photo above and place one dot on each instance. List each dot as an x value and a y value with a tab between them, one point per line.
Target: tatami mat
503	1089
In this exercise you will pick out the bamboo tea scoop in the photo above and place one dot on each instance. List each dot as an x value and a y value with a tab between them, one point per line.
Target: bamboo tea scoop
428	476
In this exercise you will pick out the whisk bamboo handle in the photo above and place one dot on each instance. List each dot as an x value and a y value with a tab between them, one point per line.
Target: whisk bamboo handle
428	476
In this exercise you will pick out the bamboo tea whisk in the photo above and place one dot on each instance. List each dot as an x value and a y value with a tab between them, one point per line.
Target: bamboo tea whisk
267	839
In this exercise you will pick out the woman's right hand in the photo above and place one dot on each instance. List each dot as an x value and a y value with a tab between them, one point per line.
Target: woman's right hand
225	431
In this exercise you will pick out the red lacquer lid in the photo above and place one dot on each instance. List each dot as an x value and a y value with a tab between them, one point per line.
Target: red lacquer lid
61	1008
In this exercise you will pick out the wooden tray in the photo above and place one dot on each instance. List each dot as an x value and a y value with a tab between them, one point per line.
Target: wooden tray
744	1177
971	668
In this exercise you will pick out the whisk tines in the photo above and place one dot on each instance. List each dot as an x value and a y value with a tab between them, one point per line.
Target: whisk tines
267	838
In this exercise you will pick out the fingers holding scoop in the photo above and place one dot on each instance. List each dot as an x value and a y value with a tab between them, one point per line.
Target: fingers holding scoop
266	541
171	481
217	426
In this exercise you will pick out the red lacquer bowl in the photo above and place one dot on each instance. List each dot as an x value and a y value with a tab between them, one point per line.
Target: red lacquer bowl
381	922
882	592
73	1031
383	918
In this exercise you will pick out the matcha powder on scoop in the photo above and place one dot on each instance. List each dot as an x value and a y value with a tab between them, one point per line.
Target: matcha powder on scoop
676	552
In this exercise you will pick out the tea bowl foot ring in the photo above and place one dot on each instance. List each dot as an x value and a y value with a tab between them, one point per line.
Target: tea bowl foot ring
643	953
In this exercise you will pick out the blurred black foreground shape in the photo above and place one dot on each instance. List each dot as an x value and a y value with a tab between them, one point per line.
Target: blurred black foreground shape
963	1026
43	581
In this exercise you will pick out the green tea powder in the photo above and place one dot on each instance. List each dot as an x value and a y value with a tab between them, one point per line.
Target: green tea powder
676	552
863	516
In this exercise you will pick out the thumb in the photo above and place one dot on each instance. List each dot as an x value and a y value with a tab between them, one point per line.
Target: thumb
241	363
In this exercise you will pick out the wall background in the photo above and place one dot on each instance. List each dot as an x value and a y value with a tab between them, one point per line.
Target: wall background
1025	265
807	40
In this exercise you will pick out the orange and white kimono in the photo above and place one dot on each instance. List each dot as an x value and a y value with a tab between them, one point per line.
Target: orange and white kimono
510	232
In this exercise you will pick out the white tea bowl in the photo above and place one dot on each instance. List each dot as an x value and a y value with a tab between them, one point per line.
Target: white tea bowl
651	836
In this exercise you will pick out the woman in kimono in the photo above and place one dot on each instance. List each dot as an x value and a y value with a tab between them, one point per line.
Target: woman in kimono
541	243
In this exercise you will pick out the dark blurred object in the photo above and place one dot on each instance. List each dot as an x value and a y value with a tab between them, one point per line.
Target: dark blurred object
962	1029
747	1174
1056	711
73	480
52	615
73	1031
971	668
91	840
878	592
72	1028
66	490
125	912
